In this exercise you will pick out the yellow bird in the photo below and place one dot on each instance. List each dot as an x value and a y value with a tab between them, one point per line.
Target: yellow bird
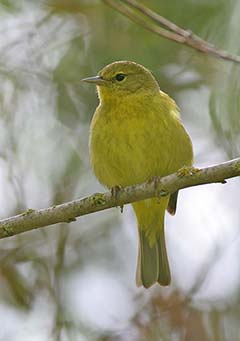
136	133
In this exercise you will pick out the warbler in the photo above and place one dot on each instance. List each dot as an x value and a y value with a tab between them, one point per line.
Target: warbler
136	133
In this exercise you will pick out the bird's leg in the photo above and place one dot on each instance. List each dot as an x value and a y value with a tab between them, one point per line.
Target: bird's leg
114	191
159	194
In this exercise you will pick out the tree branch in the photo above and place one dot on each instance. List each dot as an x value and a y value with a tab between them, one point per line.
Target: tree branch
156	187
142	16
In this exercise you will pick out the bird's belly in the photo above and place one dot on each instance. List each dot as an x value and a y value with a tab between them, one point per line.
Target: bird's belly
127	158
131	150
117	162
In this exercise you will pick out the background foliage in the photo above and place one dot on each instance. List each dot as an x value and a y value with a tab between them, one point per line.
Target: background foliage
76	282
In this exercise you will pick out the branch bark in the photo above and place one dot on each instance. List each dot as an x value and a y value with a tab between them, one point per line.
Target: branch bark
155	23
156	187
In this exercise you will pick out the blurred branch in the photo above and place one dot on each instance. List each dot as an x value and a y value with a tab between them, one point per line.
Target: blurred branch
155	23
155	187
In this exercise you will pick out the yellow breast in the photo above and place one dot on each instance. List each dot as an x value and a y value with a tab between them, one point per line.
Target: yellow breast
131	142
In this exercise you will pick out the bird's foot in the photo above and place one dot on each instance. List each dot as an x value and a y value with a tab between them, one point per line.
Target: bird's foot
156	180
114	191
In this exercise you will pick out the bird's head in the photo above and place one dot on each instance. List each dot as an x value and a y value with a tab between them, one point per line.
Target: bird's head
123	78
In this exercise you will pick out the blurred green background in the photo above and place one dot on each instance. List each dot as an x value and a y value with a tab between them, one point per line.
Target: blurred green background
77	281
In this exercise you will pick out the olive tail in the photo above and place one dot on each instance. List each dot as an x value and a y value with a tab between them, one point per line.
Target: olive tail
152	261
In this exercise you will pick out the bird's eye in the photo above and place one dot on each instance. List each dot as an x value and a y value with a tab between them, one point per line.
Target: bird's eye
120	77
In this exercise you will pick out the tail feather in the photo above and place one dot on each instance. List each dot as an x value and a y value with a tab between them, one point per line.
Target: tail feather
164	276
152	262
148	262
152	255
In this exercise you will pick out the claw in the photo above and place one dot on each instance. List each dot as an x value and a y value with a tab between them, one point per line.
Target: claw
114	191
155	180
161	193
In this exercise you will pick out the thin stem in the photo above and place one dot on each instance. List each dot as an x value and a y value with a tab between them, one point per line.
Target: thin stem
67	212
142	16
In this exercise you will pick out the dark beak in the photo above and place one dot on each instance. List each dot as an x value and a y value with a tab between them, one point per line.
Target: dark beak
94	80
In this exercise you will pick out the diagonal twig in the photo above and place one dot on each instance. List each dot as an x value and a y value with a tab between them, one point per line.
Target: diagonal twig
154	22
67	212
